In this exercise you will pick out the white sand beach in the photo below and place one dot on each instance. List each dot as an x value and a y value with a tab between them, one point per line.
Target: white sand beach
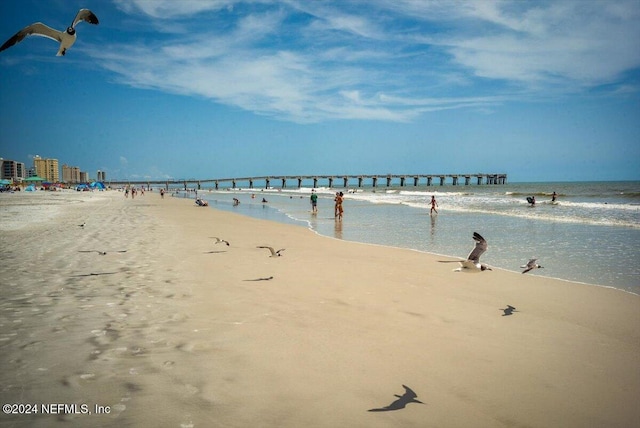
181	332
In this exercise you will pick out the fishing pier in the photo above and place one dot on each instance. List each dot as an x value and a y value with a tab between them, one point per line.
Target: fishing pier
326	180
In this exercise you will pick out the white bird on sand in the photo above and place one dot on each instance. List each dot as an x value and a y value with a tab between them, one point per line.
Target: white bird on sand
274	253
219	241
532	264
472	264
66	38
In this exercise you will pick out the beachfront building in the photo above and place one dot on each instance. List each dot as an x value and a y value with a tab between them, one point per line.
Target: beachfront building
101	176
47	169
84	177
70	174
12	170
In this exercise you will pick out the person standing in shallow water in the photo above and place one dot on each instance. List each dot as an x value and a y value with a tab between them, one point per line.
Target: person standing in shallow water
339	210
314	201
434	204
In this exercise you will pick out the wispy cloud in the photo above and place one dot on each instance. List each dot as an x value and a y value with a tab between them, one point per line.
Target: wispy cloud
380	59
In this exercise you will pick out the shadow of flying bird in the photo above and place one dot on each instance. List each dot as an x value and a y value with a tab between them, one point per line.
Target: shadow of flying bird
408	397
260	279
509	310
102	253
94	274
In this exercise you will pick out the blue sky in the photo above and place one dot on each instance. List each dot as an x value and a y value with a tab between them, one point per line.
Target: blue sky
541	90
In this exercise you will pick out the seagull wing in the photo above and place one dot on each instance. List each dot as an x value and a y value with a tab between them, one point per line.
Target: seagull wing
37	29
85	15
479	249
273	252
530	265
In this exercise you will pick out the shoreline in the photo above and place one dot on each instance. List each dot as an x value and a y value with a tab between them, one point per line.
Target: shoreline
181	331
504	250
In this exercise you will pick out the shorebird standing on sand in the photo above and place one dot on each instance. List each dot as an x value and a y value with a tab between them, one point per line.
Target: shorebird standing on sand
472	264
274	253
532	264
66	38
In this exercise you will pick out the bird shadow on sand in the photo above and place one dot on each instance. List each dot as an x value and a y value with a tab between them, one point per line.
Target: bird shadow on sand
509	310
93	274
269	278
408	397
214	252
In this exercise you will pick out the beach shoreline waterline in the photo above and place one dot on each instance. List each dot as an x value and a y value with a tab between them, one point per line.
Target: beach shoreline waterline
589	235
169	328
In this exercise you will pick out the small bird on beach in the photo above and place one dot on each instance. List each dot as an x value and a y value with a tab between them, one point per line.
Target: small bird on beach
508	311
83	224
408	397
66	38
532	264
219	241
102	253
472	264
274	253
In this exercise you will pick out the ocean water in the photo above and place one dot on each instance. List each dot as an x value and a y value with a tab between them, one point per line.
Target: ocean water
591	235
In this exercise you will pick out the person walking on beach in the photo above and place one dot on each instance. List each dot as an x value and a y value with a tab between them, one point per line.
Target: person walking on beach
434	204
314	201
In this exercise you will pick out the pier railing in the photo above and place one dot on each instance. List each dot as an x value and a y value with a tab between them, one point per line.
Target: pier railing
330	180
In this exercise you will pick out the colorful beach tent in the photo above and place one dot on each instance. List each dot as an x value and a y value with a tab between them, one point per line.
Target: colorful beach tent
30	188
97	185
4	182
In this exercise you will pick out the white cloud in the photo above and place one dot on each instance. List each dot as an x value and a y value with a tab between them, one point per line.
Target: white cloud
172	8
312	61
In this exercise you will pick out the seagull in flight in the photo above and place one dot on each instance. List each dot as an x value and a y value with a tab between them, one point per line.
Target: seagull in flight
102	253
274	253
472	264
532	264
219	241
66	38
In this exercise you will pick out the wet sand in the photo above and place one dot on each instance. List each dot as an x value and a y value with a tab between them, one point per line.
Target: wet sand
181	332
